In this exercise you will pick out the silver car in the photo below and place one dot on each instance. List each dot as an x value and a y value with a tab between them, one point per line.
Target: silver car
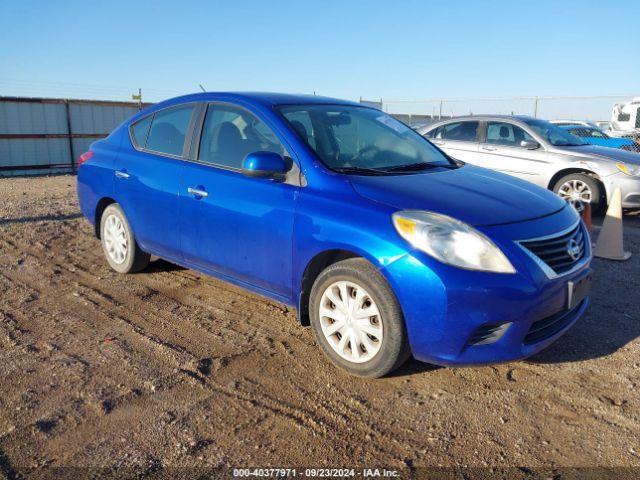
538	151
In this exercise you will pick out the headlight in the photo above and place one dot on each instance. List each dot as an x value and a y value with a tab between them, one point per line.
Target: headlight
631	170
451	241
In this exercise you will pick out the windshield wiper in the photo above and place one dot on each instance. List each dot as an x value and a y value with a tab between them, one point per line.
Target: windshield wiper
360	170
419	166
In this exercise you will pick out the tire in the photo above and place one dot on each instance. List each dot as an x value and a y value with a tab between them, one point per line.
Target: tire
563	187
115	231
388	347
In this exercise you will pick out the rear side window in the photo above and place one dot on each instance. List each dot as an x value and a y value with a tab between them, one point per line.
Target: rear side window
169	129
230	133
460	131
140	131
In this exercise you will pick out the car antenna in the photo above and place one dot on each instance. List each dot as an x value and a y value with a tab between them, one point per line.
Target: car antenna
202	88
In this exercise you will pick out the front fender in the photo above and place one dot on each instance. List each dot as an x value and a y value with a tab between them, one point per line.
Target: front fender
342	220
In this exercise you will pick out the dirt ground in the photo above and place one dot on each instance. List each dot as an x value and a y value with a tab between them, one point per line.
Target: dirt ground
171	368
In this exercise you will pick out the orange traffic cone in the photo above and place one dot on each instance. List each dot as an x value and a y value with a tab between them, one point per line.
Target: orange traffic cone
610	241
586	217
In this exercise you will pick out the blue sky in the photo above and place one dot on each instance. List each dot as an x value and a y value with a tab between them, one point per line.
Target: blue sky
374	49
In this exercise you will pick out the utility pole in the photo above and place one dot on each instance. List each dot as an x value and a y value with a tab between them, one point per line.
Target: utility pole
138	97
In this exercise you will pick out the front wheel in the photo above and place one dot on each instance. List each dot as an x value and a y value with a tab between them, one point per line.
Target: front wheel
578	188
357	320
118	243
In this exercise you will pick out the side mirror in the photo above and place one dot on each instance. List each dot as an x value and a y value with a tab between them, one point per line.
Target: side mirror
529	144
268	165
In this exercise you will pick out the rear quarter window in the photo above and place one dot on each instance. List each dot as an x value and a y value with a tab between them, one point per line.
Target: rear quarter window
139	131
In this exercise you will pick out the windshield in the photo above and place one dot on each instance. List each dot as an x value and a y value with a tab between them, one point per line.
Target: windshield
554	134
364	140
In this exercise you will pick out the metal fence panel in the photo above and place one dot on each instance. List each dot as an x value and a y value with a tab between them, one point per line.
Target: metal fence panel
26	155
16	118
47	135
89	118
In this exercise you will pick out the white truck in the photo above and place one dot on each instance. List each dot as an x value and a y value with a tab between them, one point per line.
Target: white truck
625	119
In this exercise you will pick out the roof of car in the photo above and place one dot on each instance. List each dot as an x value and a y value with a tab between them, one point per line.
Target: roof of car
443	121
483	116
264	98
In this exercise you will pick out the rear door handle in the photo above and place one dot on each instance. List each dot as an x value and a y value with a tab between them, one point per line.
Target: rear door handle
122	174
489	149
196	192
438	142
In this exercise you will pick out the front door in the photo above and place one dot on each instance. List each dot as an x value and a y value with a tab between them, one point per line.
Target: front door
502	151
238	226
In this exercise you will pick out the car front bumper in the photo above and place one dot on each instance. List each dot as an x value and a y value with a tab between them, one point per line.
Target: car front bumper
629	186
447	309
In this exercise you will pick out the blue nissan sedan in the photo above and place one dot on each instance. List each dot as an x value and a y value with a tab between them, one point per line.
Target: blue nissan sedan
385	245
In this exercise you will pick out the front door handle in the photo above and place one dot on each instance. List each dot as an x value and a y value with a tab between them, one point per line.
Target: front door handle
196	192
438	142
489	149
122	174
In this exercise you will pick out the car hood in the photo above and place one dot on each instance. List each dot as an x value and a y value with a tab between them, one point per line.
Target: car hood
601	153
474	195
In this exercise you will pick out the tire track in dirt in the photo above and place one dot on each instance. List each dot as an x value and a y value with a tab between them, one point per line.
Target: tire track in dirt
107	304
173	357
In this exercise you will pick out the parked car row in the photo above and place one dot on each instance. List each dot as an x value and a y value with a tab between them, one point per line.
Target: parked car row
549	155
387	243
608	128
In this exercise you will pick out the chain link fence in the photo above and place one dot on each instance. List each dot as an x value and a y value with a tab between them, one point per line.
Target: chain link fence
595	110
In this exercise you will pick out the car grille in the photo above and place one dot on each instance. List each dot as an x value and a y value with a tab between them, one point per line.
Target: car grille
551	325
555	251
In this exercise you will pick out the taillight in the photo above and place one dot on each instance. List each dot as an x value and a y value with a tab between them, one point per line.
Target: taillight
84	157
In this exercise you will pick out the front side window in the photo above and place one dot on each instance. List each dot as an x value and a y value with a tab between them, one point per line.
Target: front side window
355	139
502	133
169	129
230	133
553	134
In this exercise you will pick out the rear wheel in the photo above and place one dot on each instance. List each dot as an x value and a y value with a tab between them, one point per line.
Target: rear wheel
118	243
357	320
578	188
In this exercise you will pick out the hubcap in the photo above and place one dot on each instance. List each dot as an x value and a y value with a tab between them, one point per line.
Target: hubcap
575	192
351	321
115	239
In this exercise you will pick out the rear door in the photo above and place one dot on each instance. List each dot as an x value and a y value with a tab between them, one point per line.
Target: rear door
238	226
147	178
459	140
501	150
